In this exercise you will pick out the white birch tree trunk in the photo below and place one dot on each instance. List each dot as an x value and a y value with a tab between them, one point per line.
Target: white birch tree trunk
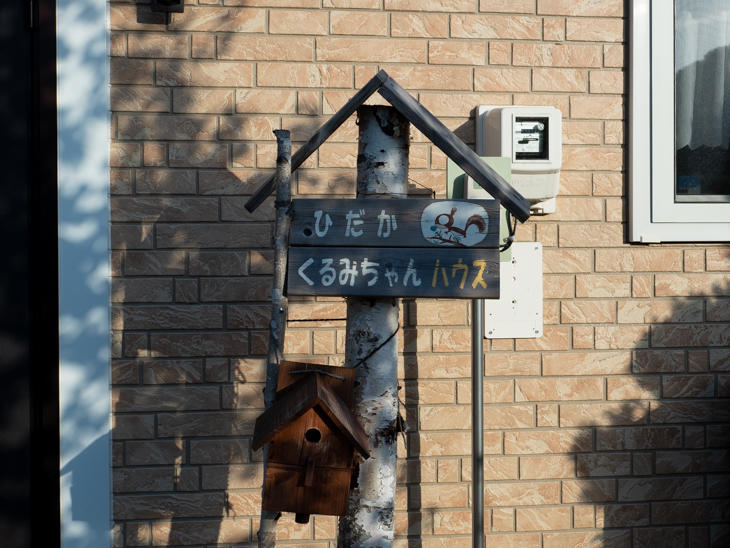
382	169
279	307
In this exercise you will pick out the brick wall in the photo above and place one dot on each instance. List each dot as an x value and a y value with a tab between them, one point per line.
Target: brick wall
610	430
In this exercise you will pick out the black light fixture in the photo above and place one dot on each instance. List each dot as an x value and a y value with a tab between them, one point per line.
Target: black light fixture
168	6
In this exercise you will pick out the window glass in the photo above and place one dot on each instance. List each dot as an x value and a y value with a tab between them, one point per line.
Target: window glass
702	100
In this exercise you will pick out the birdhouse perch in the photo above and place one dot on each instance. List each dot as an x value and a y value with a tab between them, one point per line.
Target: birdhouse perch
313	438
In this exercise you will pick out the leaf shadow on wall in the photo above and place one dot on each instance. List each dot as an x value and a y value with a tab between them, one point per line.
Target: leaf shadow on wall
652	469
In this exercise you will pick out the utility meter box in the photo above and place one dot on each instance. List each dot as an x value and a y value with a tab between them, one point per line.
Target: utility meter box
532	138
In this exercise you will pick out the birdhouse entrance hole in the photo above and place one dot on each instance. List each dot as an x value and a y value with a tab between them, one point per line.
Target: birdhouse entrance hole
313	435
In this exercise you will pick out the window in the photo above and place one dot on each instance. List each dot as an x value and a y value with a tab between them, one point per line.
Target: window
680	120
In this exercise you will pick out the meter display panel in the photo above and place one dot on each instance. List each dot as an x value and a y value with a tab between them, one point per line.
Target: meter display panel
530	138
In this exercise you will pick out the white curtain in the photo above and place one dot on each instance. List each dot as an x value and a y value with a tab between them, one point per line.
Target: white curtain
702	73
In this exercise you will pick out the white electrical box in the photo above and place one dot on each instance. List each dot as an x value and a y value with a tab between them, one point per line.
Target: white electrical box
532	138
517	314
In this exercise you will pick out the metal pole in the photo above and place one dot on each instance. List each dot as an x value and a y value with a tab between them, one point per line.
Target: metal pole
477	422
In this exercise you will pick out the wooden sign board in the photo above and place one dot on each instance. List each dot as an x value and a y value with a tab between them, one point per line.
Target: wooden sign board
395	247
374	222
393	271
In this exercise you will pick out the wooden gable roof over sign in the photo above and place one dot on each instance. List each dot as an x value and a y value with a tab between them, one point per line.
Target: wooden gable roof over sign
429	125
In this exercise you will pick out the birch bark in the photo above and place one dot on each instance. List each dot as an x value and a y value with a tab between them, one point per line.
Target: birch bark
279	305
371	343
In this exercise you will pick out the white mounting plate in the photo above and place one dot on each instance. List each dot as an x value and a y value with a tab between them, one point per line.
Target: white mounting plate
518	311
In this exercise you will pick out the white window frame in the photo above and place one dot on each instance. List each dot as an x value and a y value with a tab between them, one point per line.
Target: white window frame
654	215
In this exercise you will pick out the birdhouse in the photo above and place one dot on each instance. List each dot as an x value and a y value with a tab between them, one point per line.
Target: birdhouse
313	438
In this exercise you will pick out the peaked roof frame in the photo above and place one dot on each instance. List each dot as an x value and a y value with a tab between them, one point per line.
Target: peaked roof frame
429	125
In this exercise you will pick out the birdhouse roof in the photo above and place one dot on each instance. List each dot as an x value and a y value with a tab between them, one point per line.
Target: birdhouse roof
429	125
310	393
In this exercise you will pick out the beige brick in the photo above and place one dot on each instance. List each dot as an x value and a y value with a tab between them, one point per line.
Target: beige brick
553	29
424	25
603	414
617	337
265	101
694	260
428	77
659	311
203	46
354	4
688	386
503	519
608	184
125	155
202	101
501	79
591	235
595	29
614	132
642	285
148	126
500	27
596	107
220	19
145	99
632	388
440	496
613	55
298	22
117	44
594	311
670	285
500	53
366	23
604	8
556	79
154	154
158	45
560	102
308	102
587	363
260	128
584	516
458	104
445	523
542	442
371	50
451	340
131	71
521	494
498	365
556	55
456	53
430	5
546	518
582	133
547	467
553	338
204	73
547	234
270	48
500	6
588	158
583	337
575	183
563	389
607	81
633	260
303	75
718	259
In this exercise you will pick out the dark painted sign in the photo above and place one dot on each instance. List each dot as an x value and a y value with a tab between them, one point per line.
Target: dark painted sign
373	222
455	272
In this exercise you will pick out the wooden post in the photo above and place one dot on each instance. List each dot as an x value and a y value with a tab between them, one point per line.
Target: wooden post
371	344
279	304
